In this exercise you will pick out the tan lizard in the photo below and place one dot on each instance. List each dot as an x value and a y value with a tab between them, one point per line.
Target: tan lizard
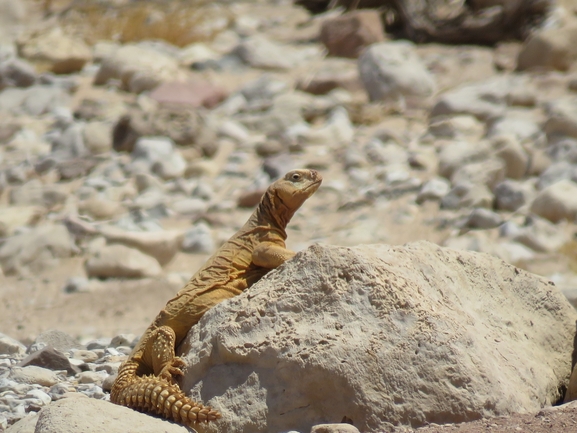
147	380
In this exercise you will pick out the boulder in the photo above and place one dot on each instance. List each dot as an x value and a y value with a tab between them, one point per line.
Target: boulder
381	335
55	51
392	71
349	34
549	49
119	261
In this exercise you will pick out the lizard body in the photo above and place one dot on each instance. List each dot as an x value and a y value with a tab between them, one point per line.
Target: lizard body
147	380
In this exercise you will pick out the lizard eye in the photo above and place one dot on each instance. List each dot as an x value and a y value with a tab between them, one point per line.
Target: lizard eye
295	176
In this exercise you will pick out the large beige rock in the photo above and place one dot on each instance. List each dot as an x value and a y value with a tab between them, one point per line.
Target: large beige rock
557	202
56	51
88	415
162	245
138	67
119	261
552	48
380	334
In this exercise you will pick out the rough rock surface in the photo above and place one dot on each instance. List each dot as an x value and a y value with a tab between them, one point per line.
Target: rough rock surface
383	336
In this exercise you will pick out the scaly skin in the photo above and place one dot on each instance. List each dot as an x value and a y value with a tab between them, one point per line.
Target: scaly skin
147	381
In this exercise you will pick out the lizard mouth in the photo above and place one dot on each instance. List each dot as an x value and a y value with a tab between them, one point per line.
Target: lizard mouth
312	185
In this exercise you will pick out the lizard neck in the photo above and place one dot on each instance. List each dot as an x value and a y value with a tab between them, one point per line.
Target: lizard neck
272	213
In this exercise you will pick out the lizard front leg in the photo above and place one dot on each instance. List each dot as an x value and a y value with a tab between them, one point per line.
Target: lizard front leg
270	255
160	349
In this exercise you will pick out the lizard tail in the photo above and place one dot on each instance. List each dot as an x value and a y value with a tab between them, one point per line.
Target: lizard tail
157	396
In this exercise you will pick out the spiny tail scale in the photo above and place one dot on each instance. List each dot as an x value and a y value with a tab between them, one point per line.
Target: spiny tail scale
157	396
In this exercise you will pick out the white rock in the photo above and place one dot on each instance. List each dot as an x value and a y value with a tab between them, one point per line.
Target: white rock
162	245
119	261
510	151
557	201
454	155
541	235
392	71
445	333
489	173
434	189
557	171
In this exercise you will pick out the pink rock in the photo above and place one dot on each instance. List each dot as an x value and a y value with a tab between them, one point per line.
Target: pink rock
188	93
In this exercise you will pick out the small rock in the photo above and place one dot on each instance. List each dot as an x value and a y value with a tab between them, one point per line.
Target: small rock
556	172
60	53
89	377
122	340
510	195
434	189
261	53
99	343
392	71
549	48
454	155
557	202
482	218
198	239
333	73
334	428
348	34
100	208
489	172
119	261
191	94
510	151
16	73
467	195
562	117
98	137
85	355
540	235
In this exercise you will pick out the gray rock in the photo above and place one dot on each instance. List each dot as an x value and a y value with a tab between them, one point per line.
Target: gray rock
50	358
35	250
58	340
392	71
35	100
123	340
540	235
562	117
510	195
99	343
198	239
16	73
485	100
434	189
521	127
454	155
119	261
561	170
289	362
467	195
157	154
481	218
557	202
564	149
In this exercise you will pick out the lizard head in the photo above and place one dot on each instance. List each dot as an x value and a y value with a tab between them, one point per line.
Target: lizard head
295	187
